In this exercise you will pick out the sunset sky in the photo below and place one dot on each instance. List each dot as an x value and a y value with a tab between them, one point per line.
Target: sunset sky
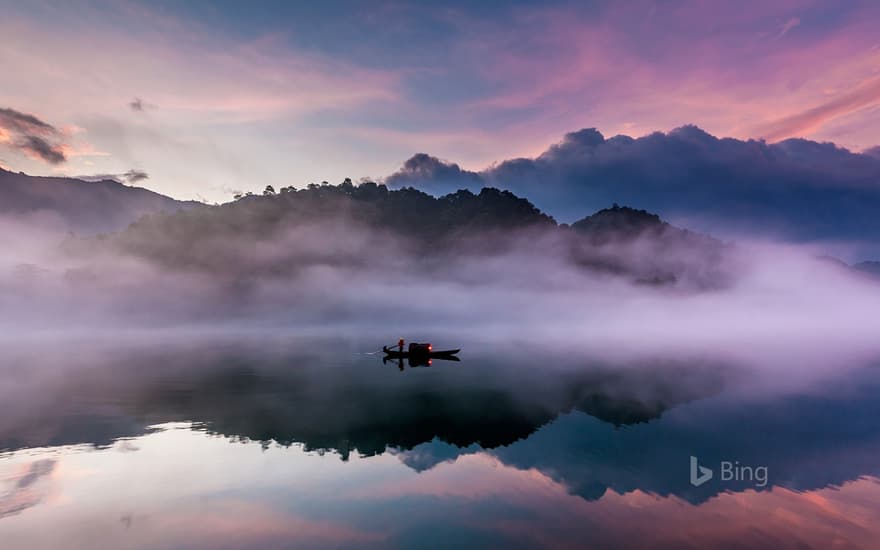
209	98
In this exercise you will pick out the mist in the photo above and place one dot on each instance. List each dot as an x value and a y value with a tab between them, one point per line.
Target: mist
769	305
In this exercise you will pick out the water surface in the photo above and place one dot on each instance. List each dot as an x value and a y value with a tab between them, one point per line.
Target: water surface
278	440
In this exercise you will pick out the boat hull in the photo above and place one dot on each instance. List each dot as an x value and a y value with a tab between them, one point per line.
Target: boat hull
430	354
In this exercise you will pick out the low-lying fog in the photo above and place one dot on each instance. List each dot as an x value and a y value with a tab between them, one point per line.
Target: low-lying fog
779	305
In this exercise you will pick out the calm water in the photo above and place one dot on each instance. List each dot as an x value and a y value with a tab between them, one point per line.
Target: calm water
211	442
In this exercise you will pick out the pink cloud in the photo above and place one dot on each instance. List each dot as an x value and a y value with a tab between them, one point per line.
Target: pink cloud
26	487
234	523
28	134
232	81
866	94
636	71
520	81
787	26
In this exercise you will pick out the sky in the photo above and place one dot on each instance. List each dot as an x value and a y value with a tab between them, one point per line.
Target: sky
199	100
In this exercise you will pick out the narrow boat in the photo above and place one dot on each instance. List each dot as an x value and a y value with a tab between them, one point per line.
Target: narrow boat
420	351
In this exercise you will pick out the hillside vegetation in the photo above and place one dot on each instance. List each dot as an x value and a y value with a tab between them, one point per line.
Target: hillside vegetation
367	226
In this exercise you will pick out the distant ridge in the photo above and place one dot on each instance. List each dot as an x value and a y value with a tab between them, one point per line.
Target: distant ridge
358	226
80	206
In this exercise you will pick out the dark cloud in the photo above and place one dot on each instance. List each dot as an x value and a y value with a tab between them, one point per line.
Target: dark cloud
424	169
38	147
132	176
24	123
139	105
32	136
100	177
798	189
872	152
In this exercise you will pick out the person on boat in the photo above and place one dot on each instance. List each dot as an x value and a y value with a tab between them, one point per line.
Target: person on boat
400	345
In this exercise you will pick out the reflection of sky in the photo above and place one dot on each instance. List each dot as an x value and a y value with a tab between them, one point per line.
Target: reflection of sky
184	488
282	93
807	442
550	452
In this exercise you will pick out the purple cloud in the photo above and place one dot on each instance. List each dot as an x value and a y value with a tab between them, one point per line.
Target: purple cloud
422	168
799	189
24	123
38	147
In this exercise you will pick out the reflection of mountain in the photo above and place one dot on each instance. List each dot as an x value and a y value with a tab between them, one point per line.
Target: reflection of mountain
328	403
806	442
370	418
593	426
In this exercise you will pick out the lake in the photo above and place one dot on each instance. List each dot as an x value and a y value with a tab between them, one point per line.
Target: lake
216	440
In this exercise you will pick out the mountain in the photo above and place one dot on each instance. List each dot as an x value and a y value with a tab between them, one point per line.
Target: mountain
620	222
79	206
870	267
796	189
368	226
626	240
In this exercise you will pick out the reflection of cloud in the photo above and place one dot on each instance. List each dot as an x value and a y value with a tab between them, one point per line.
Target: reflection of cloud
37	470
127	446
241	524
547	515
428	455
24	492
648	457
824	518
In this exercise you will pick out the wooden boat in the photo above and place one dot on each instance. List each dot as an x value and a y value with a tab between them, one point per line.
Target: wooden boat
419	350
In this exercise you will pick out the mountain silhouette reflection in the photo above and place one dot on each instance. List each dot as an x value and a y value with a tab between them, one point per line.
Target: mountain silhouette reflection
334	403
593	424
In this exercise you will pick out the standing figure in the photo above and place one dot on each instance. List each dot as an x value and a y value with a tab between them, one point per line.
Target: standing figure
400	345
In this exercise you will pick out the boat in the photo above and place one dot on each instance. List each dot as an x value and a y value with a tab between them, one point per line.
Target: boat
419	351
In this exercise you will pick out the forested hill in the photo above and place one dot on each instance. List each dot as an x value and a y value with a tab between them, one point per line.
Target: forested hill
367	225
406	212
